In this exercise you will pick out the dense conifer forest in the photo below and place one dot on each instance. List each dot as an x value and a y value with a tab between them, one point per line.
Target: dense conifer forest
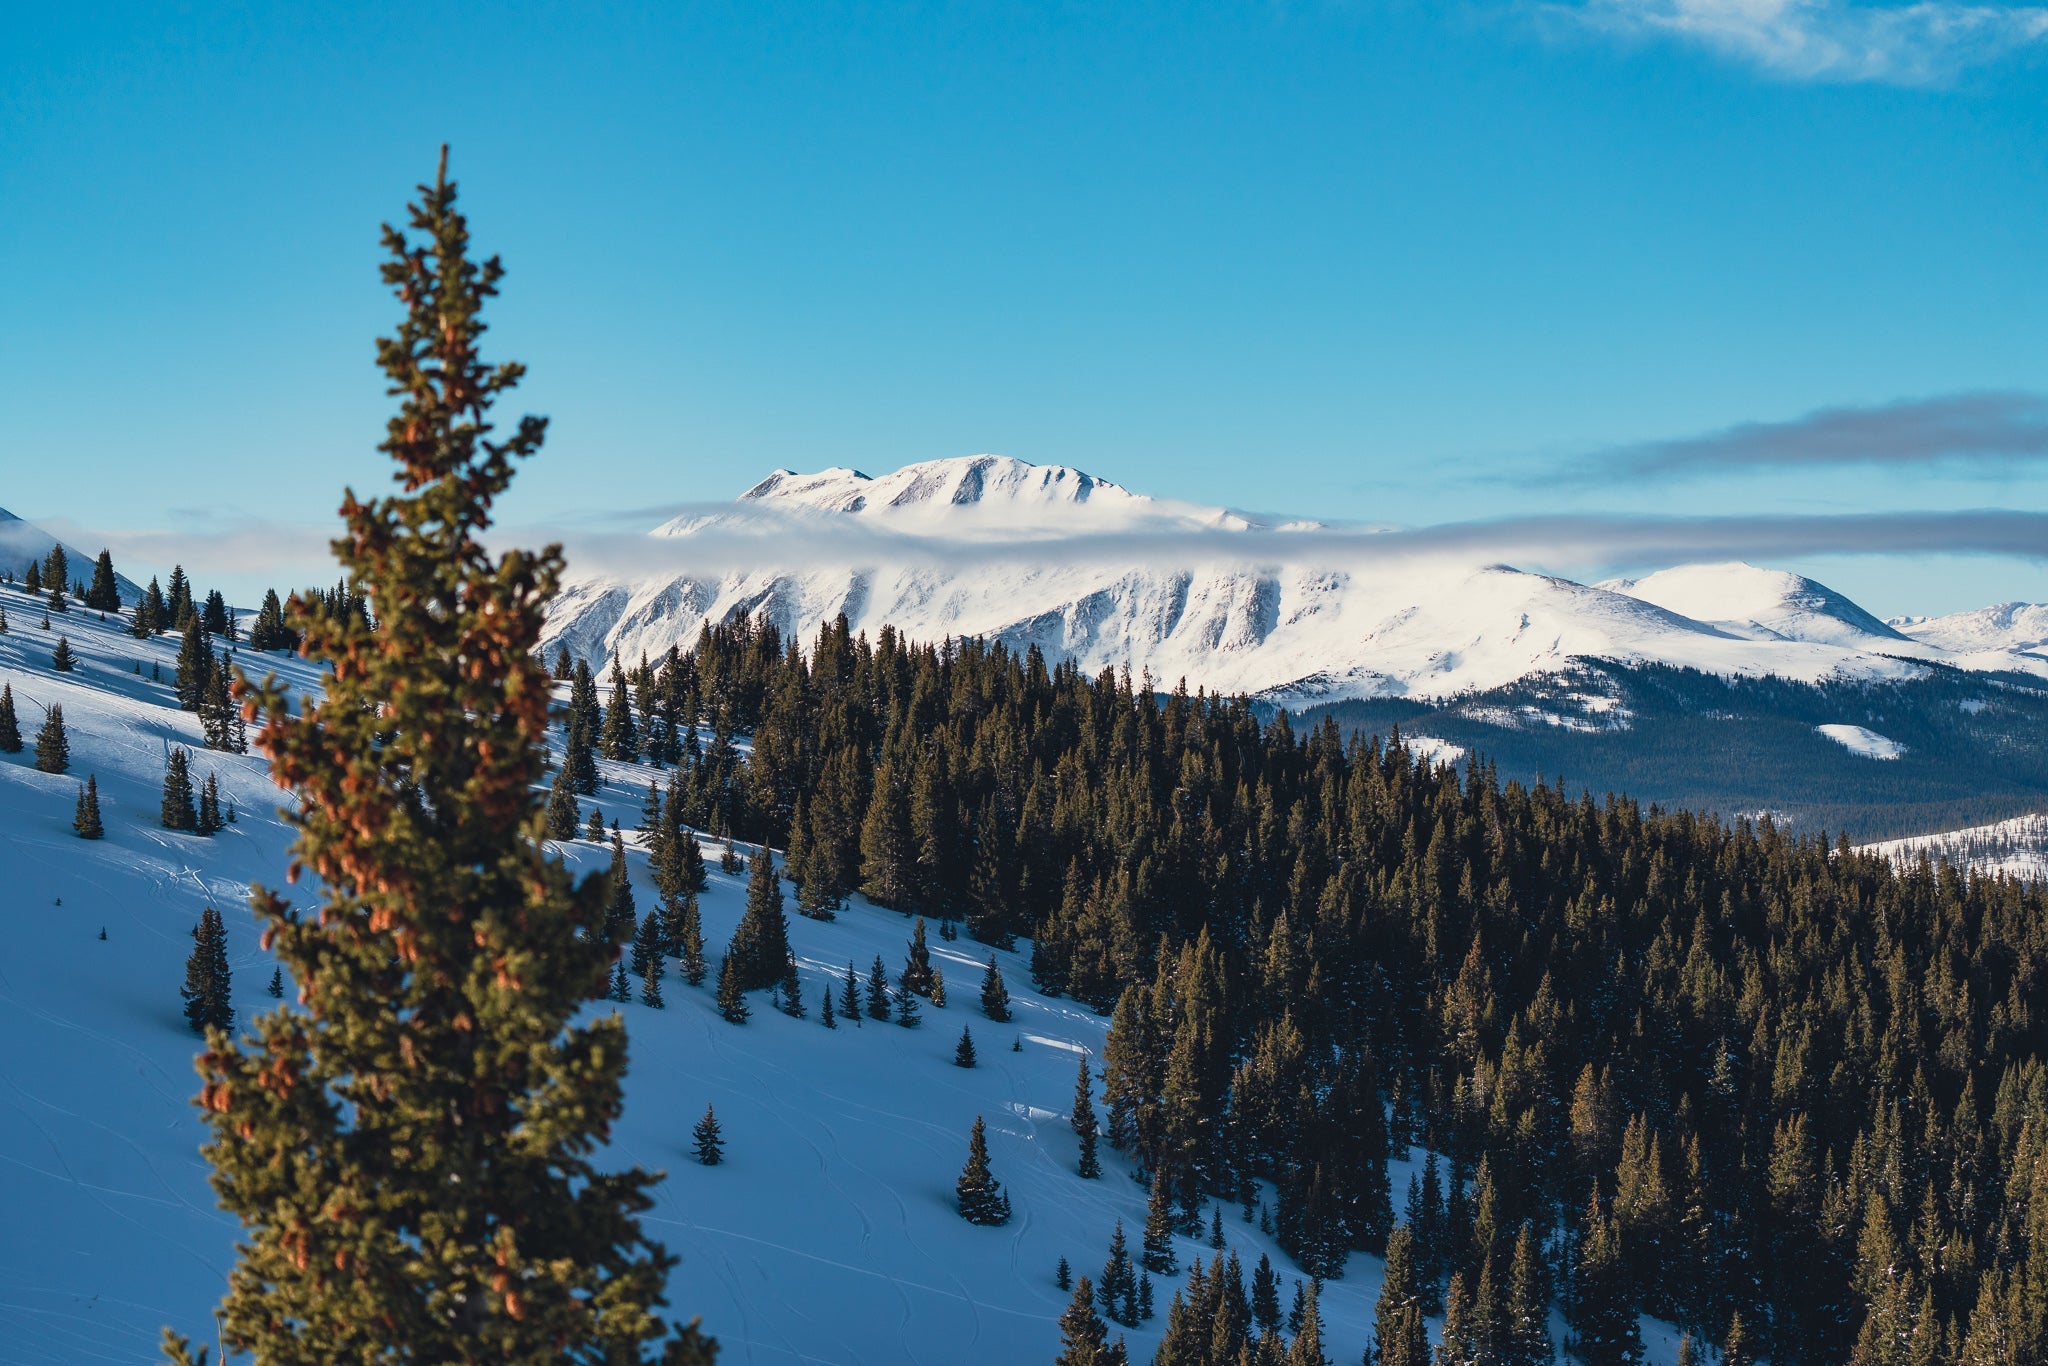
1765	1087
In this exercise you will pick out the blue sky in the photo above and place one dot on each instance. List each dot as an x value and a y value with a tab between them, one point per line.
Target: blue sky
1395	262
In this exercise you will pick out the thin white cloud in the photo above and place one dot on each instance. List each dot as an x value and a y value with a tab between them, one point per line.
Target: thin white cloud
1924	43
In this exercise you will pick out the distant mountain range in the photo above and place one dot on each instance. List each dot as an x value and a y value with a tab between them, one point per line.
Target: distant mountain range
1286	612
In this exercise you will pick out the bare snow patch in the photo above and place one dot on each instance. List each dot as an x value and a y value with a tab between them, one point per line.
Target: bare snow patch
1863	741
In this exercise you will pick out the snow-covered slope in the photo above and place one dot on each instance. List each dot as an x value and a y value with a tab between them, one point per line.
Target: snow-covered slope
2009	626
2017	848
828	1235
22	541
1086	570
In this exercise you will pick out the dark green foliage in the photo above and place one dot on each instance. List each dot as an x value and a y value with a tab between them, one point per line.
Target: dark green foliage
276	988
1603	1322
208	989
791	990
1063	1275
732	998
32	579
878	991
828	1015
849	995
53	746
412	1151
621	916
269	632
207	819
195	664
1157	1253
978	1194
1084	1122
220	719
1084	1337
621	741
150	613
178	811
10	725
709	1139
760	942
908	1014
214	617
1398	1329
963	1052
62	659
104	595
650	980
995	997
562	813
85	822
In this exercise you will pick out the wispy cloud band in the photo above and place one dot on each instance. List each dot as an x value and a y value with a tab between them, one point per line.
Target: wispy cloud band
1990	430
1923	43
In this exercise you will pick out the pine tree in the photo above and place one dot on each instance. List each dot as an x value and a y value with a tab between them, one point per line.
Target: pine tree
687	935
86	822
1084	1122
916	978
995	997
710	1147
32	580
1735	1348
878	991
1397	1319
61	659
1528	1312
621	989
456	1209
219	718
208	990
270	631
276	988
1118	1289
178	812
53	746
620	739
849	995
908	1015
963	1052
621	912
650	980
562	815
732	1000
979	1195
1603	1319
195	664
1063	1275
1084	1337
207	819
827	1016
792	990
10	726
593	829
1157	1253
760	942
105	594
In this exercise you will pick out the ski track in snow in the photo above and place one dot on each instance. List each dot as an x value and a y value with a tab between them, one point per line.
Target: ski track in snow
827	1236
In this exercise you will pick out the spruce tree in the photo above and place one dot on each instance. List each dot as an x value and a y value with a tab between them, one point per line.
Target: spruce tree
1603	1319
979	1195
621	988
32	580
650	980
562	817
593	829
686	934
1084	1122
792	990
760	942
195	664
276	988
207	819
917	963
732	999
178	811
1084	1337
56	568
86	821
620	912
53	746
411	1152
105	594
995	997
209	1002
1157	1244
620	740
908	1015
1735	1345
62	659
1063	1275
878	991
963	1052
849	996
710	1143
1397	1319
1528	1311
827	1016
10	725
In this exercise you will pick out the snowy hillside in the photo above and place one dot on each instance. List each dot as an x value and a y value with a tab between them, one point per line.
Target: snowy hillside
2009	626
828	1235
1086	570
2016	848
22	541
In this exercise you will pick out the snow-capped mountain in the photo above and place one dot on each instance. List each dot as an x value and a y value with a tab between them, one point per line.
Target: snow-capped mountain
1087	570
